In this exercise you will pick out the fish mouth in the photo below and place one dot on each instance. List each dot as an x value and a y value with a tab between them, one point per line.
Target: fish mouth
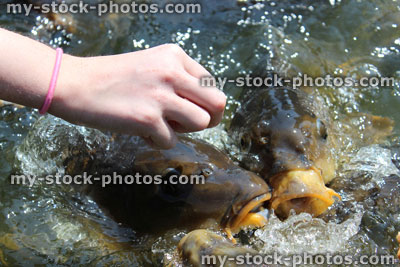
246	217
302	190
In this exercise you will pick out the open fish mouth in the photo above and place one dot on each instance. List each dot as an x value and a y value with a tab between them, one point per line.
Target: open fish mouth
302	190
246	217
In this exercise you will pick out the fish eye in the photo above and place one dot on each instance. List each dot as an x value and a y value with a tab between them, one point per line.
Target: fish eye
321	128
173	190
245	142
172	171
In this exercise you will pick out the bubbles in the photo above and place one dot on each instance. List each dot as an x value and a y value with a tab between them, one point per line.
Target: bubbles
216	136
303	233
54	222
374	160
46	146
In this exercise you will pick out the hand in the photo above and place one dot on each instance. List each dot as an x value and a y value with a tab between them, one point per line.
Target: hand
150	93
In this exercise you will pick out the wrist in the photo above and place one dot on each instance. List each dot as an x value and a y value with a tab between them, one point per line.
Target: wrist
70	88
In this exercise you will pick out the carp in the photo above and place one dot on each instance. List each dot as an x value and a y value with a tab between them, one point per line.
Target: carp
229	197
284	138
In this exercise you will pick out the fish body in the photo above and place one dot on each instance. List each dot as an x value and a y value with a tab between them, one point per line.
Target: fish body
227	195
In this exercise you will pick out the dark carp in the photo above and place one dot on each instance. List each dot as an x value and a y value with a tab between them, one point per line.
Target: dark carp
284	138
229	196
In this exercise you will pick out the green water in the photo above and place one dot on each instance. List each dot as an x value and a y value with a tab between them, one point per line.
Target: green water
51	225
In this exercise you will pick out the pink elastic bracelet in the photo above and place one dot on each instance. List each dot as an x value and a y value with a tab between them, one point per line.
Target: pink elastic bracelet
53	82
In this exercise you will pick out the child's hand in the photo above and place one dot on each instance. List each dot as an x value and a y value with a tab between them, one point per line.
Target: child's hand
150	93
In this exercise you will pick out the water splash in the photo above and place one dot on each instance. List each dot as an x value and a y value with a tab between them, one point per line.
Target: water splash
375	160
303	233
44	149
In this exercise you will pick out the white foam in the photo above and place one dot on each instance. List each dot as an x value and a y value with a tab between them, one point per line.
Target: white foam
304	234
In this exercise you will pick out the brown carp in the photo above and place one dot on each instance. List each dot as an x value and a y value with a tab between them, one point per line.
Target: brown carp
284	138
229	196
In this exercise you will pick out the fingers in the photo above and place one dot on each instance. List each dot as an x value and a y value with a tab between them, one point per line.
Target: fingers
184	116
193	67
163	136
210	99
190	65
188	86
153	128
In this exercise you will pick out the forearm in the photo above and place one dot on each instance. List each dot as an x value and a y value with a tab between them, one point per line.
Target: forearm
25	69
149	93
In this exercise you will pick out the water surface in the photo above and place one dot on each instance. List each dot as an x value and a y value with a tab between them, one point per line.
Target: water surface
52	225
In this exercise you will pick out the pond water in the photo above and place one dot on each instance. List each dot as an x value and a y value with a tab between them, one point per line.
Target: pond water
52	225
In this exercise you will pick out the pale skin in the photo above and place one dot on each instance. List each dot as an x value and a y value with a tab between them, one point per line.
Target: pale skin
151	93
